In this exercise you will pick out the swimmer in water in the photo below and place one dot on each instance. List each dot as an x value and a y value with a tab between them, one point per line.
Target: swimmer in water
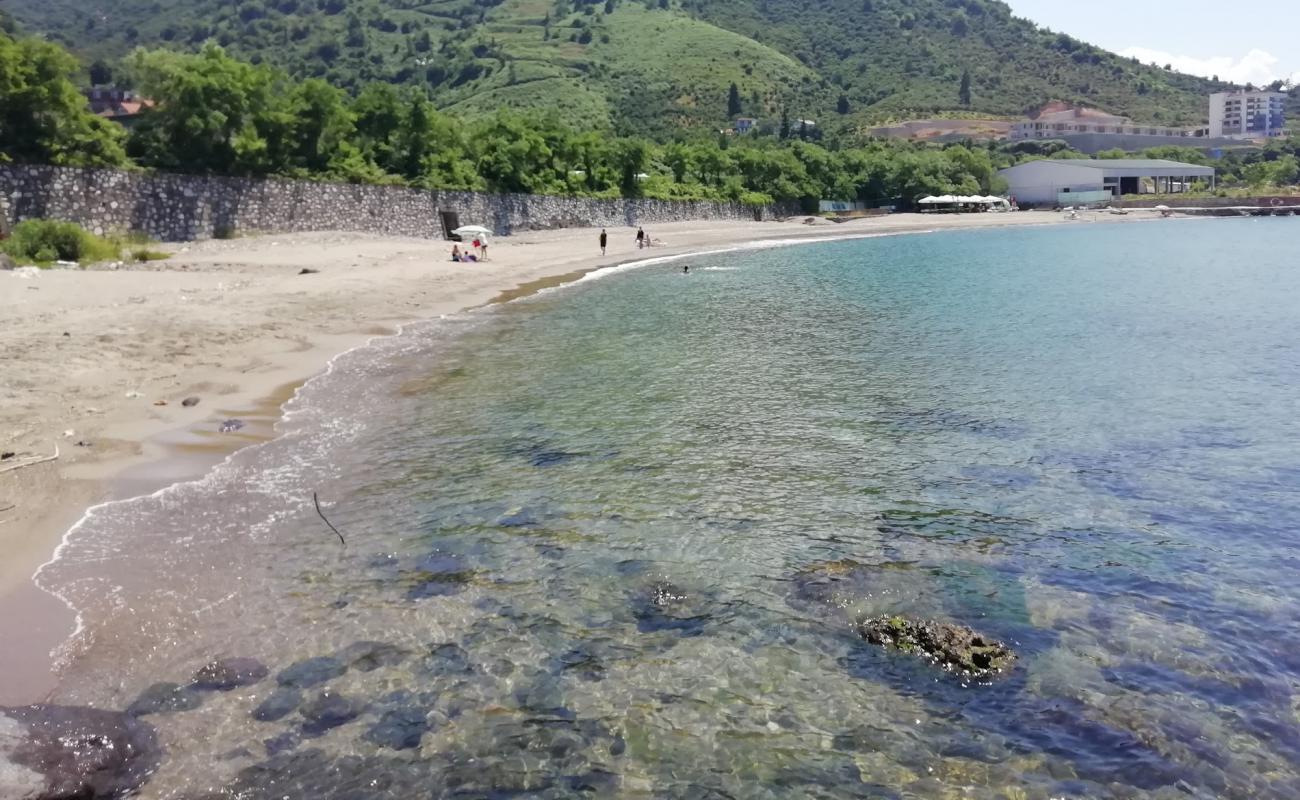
686	268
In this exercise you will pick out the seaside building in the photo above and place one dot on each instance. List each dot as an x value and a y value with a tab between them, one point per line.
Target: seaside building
743	125
122	106
1061	122
1247	114
1091	130
1072	182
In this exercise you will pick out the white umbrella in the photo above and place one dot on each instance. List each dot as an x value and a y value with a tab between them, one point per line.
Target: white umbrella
472	230
946	198
927	201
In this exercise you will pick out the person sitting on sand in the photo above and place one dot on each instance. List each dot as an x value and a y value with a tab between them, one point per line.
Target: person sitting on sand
455	252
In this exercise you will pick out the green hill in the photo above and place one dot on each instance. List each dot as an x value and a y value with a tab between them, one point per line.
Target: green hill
652	67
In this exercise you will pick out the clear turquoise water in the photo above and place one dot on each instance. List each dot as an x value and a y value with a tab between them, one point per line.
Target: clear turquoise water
1081	440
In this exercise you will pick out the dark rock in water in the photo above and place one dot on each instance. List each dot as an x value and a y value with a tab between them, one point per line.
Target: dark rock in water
430	585
399	729
230	673
282	743
662	606
617	747
369	656
839	584
190	402
582	662
329	710
280	703
231	425
446	659
164	698
955	648
519	518
311	671
49	751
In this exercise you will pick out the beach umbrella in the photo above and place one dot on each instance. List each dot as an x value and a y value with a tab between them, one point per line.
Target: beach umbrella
928	201
472	230
946	198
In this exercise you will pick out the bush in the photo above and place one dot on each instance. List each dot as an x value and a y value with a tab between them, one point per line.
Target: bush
145	254
42	241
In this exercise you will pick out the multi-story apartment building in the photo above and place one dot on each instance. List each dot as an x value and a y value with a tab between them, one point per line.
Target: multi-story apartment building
1247	114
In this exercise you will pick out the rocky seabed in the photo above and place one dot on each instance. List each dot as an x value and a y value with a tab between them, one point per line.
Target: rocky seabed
174	207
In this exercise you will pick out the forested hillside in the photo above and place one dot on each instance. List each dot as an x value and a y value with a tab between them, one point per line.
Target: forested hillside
650	66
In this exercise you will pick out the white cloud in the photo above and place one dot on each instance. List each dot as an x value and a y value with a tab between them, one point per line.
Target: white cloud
1257	67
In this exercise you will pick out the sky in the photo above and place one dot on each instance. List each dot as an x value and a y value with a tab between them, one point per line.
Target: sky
1250	42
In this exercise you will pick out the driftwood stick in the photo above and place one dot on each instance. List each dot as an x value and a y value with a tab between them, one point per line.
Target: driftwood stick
33	462
316	501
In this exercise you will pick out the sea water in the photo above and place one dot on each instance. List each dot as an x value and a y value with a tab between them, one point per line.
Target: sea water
614	538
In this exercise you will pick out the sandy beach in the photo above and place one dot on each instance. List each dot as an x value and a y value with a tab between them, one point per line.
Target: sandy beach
95	364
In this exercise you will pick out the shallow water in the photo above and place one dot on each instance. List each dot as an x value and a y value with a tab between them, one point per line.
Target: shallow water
620	533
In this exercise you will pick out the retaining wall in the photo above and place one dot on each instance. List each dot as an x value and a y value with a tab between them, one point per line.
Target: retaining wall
173	207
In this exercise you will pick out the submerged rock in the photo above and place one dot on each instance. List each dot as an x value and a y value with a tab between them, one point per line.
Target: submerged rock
369	656
955	648
280	703
329	710
400	728
445	660
49	751
164	698
230	673
311	671
664	606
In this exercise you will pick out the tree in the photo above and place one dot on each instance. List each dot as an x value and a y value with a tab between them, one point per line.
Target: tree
43	117
609	6
733	101
214	113
101	74
963	92
784	132
842	105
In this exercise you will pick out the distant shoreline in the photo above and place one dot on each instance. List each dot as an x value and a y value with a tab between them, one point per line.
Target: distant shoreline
234	324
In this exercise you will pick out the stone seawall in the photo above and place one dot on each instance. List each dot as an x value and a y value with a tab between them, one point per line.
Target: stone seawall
173	207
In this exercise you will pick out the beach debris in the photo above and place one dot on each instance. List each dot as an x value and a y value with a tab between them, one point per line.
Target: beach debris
160	402
955	648
369	656
31	462
329	709
231	425
69	433
308	271
6	455
311	671
315	501
65	333
52	751
278	704
190	402
27	273
84	443
164	698
225	674
132	395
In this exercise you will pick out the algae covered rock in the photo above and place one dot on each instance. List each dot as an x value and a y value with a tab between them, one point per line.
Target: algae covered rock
955	648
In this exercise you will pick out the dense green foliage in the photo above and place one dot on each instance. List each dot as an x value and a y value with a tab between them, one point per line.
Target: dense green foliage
220	115
43	116
650	67
40	241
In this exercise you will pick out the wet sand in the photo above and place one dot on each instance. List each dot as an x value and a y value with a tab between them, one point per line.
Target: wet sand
89	356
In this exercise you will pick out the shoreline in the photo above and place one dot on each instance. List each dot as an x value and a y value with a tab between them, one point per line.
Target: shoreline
137	448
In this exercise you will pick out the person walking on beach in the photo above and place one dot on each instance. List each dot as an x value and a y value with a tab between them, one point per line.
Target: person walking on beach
640	238
604	238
